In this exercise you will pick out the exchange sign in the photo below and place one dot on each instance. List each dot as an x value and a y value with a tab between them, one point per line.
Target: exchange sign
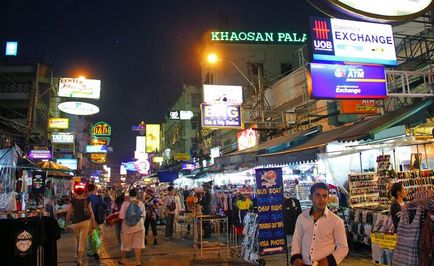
347	81
352	41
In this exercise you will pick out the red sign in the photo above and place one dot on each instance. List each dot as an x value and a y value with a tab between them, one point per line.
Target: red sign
358	107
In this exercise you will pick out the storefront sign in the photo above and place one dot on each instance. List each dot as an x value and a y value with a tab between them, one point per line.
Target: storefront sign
347	81
358	107
182	157
375	10
79	88
152	137
141	144
58	123
62	137
180	115
70	163
222	94
258	37
352	41
141	128
101	129
247	138
269	195
78	108
387	241
11	49
221	115
98	157
96	149
40	152
100	141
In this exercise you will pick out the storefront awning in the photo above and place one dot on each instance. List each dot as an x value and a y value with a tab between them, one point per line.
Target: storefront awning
363	130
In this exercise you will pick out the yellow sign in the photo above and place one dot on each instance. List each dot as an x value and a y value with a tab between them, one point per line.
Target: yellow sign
157	159
98	157
182	157
101	129
383	240
152	137
59	123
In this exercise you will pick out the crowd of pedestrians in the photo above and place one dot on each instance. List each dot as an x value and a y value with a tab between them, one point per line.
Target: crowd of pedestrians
131	212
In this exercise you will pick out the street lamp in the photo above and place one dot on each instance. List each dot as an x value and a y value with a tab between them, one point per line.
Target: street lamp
213	59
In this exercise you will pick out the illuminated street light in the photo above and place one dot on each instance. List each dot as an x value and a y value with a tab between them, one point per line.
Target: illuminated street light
213	58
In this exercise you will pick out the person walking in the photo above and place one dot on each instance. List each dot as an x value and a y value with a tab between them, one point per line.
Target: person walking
151	214
319	236
169	207
99	208
82	217
133	213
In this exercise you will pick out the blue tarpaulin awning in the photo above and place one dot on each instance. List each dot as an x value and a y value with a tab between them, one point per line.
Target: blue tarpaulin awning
167	176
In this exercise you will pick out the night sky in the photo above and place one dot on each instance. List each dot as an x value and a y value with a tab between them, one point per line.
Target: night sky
142	50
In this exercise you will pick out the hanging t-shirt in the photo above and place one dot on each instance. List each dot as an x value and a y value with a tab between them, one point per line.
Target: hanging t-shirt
292	210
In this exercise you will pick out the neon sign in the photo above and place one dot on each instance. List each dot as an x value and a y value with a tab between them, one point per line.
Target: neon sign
258	37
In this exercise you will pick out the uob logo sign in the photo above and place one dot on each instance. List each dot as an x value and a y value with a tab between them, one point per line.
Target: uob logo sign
321	33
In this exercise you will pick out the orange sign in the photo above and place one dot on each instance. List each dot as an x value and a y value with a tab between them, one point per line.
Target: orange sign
98	157
358	107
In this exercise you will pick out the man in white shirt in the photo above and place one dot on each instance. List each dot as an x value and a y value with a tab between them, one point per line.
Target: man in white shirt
319	238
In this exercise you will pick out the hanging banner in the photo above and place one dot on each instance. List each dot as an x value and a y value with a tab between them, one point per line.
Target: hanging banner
269	196
152	137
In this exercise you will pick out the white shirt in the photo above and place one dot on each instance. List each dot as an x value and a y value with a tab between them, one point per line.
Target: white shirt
315	241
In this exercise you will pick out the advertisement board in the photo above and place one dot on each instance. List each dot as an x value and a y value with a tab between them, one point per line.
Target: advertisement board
40	152
78	108
152	137
222	94
98	157
358	107
62	137
101	129
79	88
182	156
141	144
70	163
58	123
352	41
269	199
100	141
96	149
247	138
221	115
346	81
374	10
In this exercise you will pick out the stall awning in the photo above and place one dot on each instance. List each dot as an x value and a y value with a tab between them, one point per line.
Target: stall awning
167	176
363	130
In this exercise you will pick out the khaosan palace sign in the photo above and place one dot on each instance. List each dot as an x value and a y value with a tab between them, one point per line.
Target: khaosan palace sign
374	10
258	37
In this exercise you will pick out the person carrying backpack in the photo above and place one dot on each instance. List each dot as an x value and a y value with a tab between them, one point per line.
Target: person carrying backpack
133	232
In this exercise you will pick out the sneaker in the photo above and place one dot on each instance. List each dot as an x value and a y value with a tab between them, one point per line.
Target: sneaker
155	242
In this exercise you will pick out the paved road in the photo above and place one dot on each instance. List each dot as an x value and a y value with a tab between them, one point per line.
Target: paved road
174	252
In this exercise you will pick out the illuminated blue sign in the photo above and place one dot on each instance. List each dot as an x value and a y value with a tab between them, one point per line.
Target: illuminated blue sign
11	48
347	81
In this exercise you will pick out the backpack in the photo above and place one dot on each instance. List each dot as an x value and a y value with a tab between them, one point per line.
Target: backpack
171	206
134	213
100	211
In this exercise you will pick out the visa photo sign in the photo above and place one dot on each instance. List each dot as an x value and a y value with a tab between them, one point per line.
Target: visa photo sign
352	41
346	81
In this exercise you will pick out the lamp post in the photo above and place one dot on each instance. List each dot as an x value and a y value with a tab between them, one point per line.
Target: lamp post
259	92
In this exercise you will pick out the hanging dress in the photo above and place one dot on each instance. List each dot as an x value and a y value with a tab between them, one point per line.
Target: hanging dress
407	251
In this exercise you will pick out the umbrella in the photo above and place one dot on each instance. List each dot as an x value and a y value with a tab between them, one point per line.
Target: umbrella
54	169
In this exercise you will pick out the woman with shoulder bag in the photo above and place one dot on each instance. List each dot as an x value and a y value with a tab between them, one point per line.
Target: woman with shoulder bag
81	215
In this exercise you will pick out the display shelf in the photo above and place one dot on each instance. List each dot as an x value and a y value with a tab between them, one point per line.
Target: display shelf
363	189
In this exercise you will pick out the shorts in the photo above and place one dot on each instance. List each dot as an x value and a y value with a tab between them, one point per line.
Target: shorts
133	240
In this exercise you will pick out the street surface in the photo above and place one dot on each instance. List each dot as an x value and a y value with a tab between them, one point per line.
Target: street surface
174	252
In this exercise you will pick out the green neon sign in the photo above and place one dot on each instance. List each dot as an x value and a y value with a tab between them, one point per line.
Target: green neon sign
258	37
